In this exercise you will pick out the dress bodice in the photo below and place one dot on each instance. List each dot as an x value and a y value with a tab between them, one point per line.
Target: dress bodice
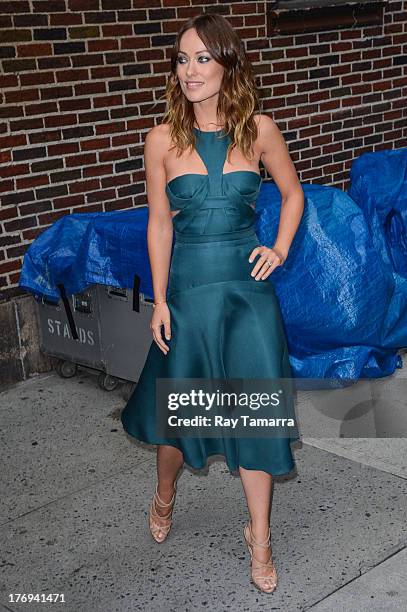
216	202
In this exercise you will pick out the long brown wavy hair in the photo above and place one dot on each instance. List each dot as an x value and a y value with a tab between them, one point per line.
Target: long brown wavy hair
238	99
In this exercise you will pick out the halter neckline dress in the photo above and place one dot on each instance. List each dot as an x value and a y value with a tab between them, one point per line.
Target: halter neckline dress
224	323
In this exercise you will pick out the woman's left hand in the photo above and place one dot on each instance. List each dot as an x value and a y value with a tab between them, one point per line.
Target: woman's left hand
262	269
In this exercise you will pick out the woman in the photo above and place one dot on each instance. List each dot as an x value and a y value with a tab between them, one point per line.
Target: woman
220	318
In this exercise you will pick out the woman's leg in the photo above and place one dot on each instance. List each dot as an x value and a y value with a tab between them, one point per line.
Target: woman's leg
257	486
169	461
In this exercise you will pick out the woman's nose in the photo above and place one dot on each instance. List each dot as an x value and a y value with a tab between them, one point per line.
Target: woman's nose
190	68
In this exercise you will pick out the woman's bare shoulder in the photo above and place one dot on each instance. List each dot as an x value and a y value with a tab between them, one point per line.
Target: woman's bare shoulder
158	135
266	127
265	124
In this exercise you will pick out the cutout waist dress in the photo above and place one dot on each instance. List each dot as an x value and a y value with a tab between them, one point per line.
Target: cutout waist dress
216	205
224	323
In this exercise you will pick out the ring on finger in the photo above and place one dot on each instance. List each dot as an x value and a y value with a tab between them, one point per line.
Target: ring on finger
261	272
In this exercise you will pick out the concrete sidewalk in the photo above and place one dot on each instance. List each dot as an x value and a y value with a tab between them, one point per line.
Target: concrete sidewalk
75	495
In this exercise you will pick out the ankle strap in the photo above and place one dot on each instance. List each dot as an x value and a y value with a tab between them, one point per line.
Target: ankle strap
264	544
160	501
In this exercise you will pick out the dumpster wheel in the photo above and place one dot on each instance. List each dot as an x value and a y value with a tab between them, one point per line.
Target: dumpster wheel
107	382
66	369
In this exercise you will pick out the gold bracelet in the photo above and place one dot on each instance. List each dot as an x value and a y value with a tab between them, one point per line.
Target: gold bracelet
156	303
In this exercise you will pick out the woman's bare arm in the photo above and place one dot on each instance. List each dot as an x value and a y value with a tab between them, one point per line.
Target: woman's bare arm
160	227
278	163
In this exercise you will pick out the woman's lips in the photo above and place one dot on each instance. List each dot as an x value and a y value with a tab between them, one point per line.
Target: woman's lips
193	85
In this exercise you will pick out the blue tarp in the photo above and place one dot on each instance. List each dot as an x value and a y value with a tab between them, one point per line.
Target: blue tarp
379	187
344	305
83	249
345	315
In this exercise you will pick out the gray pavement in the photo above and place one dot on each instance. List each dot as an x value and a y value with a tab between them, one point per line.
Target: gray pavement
75	494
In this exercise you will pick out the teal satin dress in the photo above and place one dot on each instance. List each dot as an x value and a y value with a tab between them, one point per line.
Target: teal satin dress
224	323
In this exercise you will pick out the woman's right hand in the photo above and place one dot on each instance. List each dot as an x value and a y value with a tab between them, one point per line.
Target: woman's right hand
161	316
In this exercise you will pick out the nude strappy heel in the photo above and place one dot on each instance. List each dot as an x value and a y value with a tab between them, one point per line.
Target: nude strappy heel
159	531
265	582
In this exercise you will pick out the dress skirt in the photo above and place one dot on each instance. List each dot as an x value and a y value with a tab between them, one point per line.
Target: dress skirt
224	324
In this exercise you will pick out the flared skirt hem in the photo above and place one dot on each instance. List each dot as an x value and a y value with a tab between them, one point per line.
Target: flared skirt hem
282	471
227	329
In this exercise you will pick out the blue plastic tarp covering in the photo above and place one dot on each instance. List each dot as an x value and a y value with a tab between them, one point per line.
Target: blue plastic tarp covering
343	305
379	187
344	312
84	249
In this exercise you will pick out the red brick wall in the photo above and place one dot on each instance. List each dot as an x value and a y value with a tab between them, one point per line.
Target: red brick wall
79	78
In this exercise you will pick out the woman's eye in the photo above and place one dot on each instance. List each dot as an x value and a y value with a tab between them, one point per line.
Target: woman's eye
180	60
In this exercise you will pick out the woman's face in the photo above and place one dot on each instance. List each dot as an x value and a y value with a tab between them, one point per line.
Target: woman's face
199	75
